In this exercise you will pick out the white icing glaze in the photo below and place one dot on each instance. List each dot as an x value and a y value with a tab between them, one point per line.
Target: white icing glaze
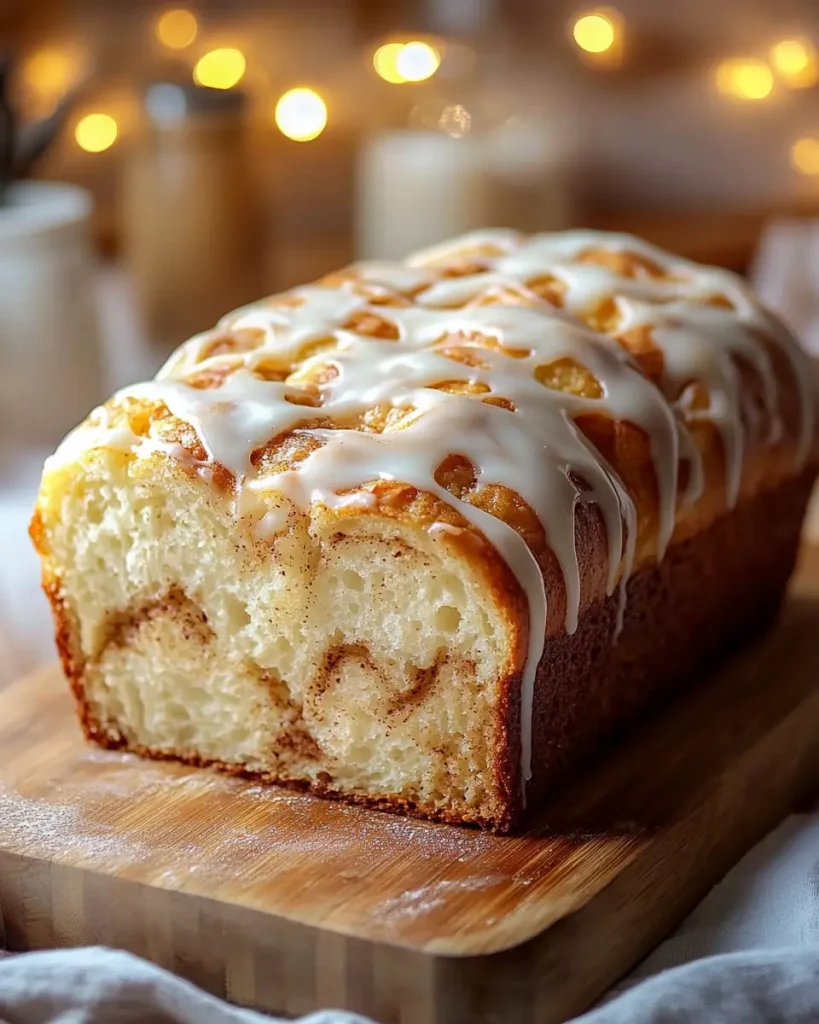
535	448
100	432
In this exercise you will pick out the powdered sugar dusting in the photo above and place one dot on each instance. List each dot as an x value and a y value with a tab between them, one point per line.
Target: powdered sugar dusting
57	830
86	816
429	898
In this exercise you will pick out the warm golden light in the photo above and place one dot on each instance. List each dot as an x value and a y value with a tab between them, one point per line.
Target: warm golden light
301	114
725	76
790	56
747	79
51	72
796	62
805	155
754	80
96	132
399	63
176	29
595	32
417	61
385	62
220	69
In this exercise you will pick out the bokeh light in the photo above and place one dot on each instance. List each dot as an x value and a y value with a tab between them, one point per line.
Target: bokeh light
385	62
796	62
805	155
455	120
220	69
398	63
595	32
301	114
176	29
749	79
52	71
96	132
417	61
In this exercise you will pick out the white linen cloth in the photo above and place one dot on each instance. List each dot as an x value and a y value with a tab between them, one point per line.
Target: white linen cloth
103	986
763	920
107	986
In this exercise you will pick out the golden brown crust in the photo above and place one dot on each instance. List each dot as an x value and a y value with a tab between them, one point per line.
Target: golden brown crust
711	592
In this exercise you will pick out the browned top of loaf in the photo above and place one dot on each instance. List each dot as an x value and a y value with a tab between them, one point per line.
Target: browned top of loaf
209	361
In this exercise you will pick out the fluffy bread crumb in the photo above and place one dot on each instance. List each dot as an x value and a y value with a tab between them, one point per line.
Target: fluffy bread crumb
349	652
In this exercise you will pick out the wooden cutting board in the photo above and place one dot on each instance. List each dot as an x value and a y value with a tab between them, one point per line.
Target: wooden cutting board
287	903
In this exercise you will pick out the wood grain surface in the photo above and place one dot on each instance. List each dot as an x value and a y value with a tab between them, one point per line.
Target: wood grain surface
287	903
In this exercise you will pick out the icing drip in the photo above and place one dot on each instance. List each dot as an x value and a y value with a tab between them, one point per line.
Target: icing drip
464	340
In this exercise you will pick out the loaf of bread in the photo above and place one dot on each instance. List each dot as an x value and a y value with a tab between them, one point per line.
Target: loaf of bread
425	535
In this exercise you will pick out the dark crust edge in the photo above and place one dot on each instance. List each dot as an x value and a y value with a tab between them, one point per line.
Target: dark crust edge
95	733
711	594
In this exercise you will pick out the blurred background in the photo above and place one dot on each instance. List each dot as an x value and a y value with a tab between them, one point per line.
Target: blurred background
163	163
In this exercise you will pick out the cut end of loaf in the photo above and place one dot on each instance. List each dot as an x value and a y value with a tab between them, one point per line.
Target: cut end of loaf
352	655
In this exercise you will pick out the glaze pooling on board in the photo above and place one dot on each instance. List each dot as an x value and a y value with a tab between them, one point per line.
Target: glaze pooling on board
702	320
